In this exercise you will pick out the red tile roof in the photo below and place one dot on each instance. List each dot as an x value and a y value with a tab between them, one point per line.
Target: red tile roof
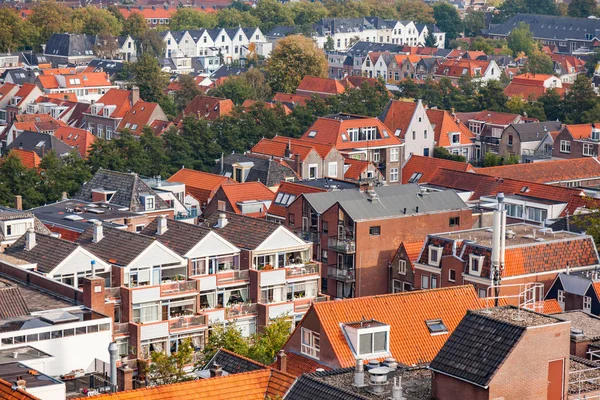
254	385
549	171
532	79
411	341
62	96
6	88
8	393
329	130
318	85
29	158
247	105
299	99
496	118
140	115
290	188
81	139
119	98
201	185
527	92
398	114
443	123
550	307
356	168
413	249
25	91
207	107
245	192
580	131
278	148
297	365
428	166
457	68
84	80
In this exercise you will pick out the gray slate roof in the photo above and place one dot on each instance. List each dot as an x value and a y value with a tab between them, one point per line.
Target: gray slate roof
180	237
551	27
70	44
282	31
12	303
9	214
20	76
41	143
574	284
232	363
310	387
128	186
265	170
392	201
536	131
477	348
117	245
48	252
364	48
244	232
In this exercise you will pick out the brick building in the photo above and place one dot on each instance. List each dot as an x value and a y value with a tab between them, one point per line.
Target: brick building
574	141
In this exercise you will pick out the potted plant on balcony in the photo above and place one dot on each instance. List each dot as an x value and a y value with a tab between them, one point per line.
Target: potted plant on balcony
268	267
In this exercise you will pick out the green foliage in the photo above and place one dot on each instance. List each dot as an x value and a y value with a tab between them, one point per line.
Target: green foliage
15	33
520	39
582	8
189	18
441	152
232	18
272	13
592	62
135	26
518	105
329	44
430	40
188	89
306	13
151	44
494	160
97	21
448	20
415	10
17	179
50	17
510	8
579	100
539	62
249	85
474	22
553	105
149	78
167	369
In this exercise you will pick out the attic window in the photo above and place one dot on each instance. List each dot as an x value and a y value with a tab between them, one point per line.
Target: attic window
435	253
40	144
415	177
312	134
385	133
134	127
525	189
344	137
436	327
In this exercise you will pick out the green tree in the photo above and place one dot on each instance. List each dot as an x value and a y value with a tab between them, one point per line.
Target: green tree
97	21
50	17
167	369
415	10
307	12
448	20
62	174
520	39
430	40
518	105
154	148
189	18
272	13
149	78
232	18
249	85
474	23
267	344
579	99
227	337
329	44
151	43
553	106
408	89
188	90
510	8
491	160
135	25
582	8
492	97
441	152
105	154
539	62
15	33
481	44
592	62
293	58
17	179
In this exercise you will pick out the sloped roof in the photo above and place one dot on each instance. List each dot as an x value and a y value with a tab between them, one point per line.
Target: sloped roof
494	117
199	184
246	191
48	252
535	131
548	172
119	246
277	148
8	393
397	115
322	148
462	67
290	189
117	97
40	143
180	236
318	84
140	115
309	387
355	168
527	92
206	107
297	364
550	306
233	363
443	123
29	158
413	249
128	186
292	99
411	341
12	303
70	44
579	131
243	231
427	166
550	26
265	169
80	139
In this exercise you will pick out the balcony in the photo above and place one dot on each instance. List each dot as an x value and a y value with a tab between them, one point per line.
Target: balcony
121	328
295	271
193	213
347	246
241	310
341	274
232	276
311	236
172	288
187	322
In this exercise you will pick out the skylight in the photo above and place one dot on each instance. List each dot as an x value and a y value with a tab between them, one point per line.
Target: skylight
312	134
436	327
415	177
40	143
74	217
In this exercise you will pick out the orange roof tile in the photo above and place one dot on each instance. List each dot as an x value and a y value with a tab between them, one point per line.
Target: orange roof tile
297	364
332	130
246	191
443	123
139	116
29	158
316	84
207	107
527	92
398	114
275	148
413	249
299	99
201	185
149	13
254	385
78	80
117	97
291	188
532	79
6	88
356	168
62	96
268	104
25	91
428	166
8	393
580	131
497	118
81	139
411	341
549	171
550	307
461	67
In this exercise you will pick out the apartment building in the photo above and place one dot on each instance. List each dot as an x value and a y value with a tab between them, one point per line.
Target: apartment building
355	233
103	117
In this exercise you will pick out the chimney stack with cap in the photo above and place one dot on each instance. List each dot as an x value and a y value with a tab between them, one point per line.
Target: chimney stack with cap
222	221
19	202
216	370
98	232
161	227
282	361
30	239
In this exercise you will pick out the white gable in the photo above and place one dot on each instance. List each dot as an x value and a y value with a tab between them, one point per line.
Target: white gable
156	254
80	260
281	238
211	245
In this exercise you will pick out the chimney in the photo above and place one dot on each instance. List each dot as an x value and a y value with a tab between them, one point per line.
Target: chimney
288	150
282	361
19	202
297	164
65	196
222	221
161	227
30	239
498	243
359	374
135	95
397	389
112	350
20	383
98	232
216	370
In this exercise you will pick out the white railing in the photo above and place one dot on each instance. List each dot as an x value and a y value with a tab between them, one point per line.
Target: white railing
528	295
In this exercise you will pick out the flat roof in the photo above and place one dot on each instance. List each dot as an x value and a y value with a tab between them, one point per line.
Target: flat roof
76	215
46	319
589	324
33	378
516	316
516	234
328	184
24	354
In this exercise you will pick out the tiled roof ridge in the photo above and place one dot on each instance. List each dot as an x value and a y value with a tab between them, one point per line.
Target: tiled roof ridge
23	393
313	377
224	350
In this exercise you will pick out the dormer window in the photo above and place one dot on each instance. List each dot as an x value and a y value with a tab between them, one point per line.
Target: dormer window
595	134
435	254
455	138
475	264
310	343
436	327
148	201
368	339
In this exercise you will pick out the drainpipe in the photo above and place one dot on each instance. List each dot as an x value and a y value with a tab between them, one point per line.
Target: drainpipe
112	350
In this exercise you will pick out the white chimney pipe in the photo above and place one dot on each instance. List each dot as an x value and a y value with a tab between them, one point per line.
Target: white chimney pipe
496	241
359	373
397	389
98	232
30	239
222	221
161	227
502	238
112	351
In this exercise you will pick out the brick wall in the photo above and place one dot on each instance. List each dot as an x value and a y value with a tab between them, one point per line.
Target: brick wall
444	387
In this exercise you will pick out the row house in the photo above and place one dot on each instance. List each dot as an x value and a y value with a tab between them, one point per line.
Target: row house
410	123
568	67
310	160
200	186
34	124
68	111
15	222
86	86
284	279
285	195
248	198
531	86
263	169
361	138
154	15
529	142
230	44
104	116
529	257
576	291
575	141
17	104
451	134
366	228
80	49
477	70
420	169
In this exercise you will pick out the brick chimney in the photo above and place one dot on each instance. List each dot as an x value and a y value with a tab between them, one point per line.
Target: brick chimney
135	95
125	378
297	164
18	202
281	361
93	293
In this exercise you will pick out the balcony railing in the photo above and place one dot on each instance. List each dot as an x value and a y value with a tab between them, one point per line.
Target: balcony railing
342	245
232	276
341	274
187	322
192	213
170	288
121	328
112	293
241	310
295	271
310	236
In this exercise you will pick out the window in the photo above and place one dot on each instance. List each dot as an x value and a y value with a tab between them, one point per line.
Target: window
481	293
415	177
324	255
394	154
149	203
565	146
510	140
436	327
425	134
396	286
374	230
588	149
452	275
291	219
435	255
514	210
221	205
139	228
587	304
536	214
371	343
454	221
424	282
108	133
402	267
310	343
333	169
414	135
434	281
376	156
475	264
325	227
312	171
560	297
455	138
393	174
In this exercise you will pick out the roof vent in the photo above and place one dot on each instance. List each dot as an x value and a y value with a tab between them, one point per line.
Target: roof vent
577	334
378	379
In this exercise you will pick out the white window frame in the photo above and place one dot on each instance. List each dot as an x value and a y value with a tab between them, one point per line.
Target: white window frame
402	267
424	281
438	251
312	346
588	149
560	297
394	154
397	286
393	174
565	146
474	258
332	169
316	167
587	304
450	271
